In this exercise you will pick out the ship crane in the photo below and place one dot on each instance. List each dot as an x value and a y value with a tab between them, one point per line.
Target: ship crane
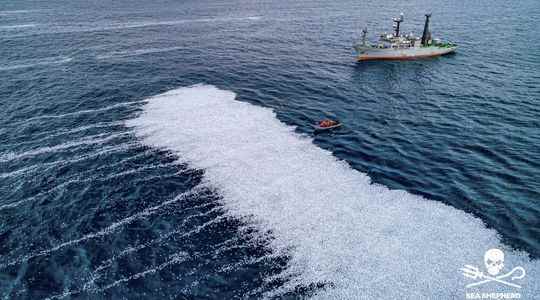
426	35
397	21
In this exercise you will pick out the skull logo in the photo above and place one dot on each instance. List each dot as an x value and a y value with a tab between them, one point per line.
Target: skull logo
494	261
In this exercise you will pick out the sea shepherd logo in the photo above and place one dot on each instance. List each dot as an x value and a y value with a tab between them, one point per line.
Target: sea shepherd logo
494	262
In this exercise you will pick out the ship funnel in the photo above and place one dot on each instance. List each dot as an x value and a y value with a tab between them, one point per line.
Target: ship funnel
426	35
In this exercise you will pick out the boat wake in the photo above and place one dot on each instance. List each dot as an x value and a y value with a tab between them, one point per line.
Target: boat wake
120	54
337	228
18	26
35	63
20	11
97	27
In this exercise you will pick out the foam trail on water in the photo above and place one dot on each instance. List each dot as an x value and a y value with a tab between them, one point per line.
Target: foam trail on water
133	25
84	142
336	225
19	11
131	250
177	258
35	63
106	231
129	25
48	165
48	135
173	259
120	54
90	285
82	112
83	179
18	26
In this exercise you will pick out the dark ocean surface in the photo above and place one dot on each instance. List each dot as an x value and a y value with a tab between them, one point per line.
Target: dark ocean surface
103	195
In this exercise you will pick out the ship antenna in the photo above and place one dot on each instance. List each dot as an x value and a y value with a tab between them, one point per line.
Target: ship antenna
426	36
398	21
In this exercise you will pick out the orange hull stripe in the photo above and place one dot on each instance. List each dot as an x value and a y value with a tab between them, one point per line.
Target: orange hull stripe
404	57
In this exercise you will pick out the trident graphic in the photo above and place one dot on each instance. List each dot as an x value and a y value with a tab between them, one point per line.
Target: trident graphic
494	261
474	273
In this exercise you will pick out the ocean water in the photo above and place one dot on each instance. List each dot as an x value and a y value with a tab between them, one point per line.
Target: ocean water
164	149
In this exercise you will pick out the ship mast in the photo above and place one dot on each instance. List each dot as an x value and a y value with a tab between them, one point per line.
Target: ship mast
364	36
396	26
426	35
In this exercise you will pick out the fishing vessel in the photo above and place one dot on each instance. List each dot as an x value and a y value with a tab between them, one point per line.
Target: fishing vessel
395	46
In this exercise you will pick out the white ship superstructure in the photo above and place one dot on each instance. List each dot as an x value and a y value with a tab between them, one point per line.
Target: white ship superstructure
395	46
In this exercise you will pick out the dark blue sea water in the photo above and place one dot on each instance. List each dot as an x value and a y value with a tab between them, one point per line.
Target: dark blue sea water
106	192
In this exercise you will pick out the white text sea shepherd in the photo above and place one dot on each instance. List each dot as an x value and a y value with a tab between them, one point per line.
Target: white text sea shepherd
493	295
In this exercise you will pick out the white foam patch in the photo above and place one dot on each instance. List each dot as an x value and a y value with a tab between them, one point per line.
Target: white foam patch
367	240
